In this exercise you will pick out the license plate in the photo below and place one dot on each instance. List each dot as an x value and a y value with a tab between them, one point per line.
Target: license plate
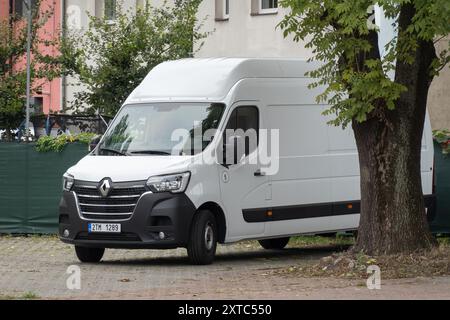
104	227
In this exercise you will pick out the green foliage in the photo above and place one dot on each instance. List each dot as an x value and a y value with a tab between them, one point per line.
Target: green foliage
29	295
57	144
355	77
12	88
111	59
443	138
13	39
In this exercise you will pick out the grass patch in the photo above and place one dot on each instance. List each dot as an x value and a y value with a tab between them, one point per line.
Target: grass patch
311	241
340	240
29	296
444	241
435	262
26	296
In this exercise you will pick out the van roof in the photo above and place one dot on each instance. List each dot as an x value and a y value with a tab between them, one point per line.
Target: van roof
211	79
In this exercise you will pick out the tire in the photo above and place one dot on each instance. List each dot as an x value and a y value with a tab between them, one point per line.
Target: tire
277	244
92	255
203	238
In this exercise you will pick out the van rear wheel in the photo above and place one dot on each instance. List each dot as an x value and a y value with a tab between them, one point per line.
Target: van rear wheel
277	244
203	238
92	255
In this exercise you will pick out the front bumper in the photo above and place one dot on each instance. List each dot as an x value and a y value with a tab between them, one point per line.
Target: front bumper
154	213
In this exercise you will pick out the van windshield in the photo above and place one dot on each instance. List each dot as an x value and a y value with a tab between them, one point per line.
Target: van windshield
161	129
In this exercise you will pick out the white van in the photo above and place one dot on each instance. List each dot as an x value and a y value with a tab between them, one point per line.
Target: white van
134	191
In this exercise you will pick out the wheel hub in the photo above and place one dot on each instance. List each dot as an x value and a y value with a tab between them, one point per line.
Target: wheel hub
209	236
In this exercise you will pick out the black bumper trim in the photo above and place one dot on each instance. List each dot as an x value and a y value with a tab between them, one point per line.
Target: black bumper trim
319	210
141	230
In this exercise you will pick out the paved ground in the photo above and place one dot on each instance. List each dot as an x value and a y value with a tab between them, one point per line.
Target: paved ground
36	267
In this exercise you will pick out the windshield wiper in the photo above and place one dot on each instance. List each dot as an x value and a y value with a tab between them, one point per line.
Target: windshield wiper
115	151
154	152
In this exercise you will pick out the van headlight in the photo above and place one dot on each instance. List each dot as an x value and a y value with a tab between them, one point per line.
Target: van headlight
174	183
67	181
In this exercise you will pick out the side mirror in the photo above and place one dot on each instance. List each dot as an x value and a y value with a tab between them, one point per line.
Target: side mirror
94	142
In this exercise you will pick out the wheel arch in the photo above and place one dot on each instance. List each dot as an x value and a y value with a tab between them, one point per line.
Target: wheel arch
220	218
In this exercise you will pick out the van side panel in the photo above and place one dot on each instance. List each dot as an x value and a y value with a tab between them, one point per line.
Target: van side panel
427	158
319	166
304	169
314	172
344	163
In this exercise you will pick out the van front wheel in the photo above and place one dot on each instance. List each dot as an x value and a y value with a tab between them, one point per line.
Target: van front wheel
203	238
92	255
278	243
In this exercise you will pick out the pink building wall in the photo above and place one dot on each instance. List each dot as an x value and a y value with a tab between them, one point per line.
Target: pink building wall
50	91
4	9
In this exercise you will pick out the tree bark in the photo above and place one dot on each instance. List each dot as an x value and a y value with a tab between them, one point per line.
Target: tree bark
393	216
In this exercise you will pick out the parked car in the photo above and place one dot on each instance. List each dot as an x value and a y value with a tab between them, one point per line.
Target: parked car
134	191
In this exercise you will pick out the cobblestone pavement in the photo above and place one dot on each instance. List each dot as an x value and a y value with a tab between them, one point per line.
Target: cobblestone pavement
36	267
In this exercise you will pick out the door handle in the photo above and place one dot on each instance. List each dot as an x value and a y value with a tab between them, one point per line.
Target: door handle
259	173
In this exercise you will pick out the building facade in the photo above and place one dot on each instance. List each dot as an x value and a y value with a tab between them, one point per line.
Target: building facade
248	28
237	28
46	94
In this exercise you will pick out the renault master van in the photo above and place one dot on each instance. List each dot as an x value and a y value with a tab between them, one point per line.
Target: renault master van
167	174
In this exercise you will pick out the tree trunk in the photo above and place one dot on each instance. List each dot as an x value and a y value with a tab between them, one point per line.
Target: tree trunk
393	217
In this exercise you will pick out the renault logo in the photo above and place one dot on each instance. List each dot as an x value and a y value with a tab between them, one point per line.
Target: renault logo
105	187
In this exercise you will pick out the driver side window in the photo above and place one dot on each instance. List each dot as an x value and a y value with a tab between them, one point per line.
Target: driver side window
243	125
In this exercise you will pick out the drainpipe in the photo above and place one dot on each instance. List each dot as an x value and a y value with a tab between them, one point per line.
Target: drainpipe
27	111
10	18
63	77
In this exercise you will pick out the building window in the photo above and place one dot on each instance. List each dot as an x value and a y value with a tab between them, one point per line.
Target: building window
222	10
264	7
18	7
227	7
269	4
21	7
110	10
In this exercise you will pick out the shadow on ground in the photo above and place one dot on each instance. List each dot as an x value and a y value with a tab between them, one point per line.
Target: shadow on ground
242	256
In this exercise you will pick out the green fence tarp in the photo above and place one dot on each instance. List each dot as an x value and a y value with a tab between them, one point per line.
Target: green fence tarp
441	223
30	186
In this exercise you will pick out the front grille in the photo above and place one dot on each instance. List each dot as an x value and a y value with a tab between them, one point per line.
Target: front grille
118	205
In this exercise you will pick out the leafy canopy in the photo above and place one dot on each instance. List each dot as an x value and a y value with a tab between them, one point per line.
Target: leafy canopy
111	58
354	74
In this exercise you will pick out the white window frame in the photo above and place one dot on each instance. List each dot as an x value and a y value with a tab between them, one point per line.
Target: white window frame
257	8
113	20
221	10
